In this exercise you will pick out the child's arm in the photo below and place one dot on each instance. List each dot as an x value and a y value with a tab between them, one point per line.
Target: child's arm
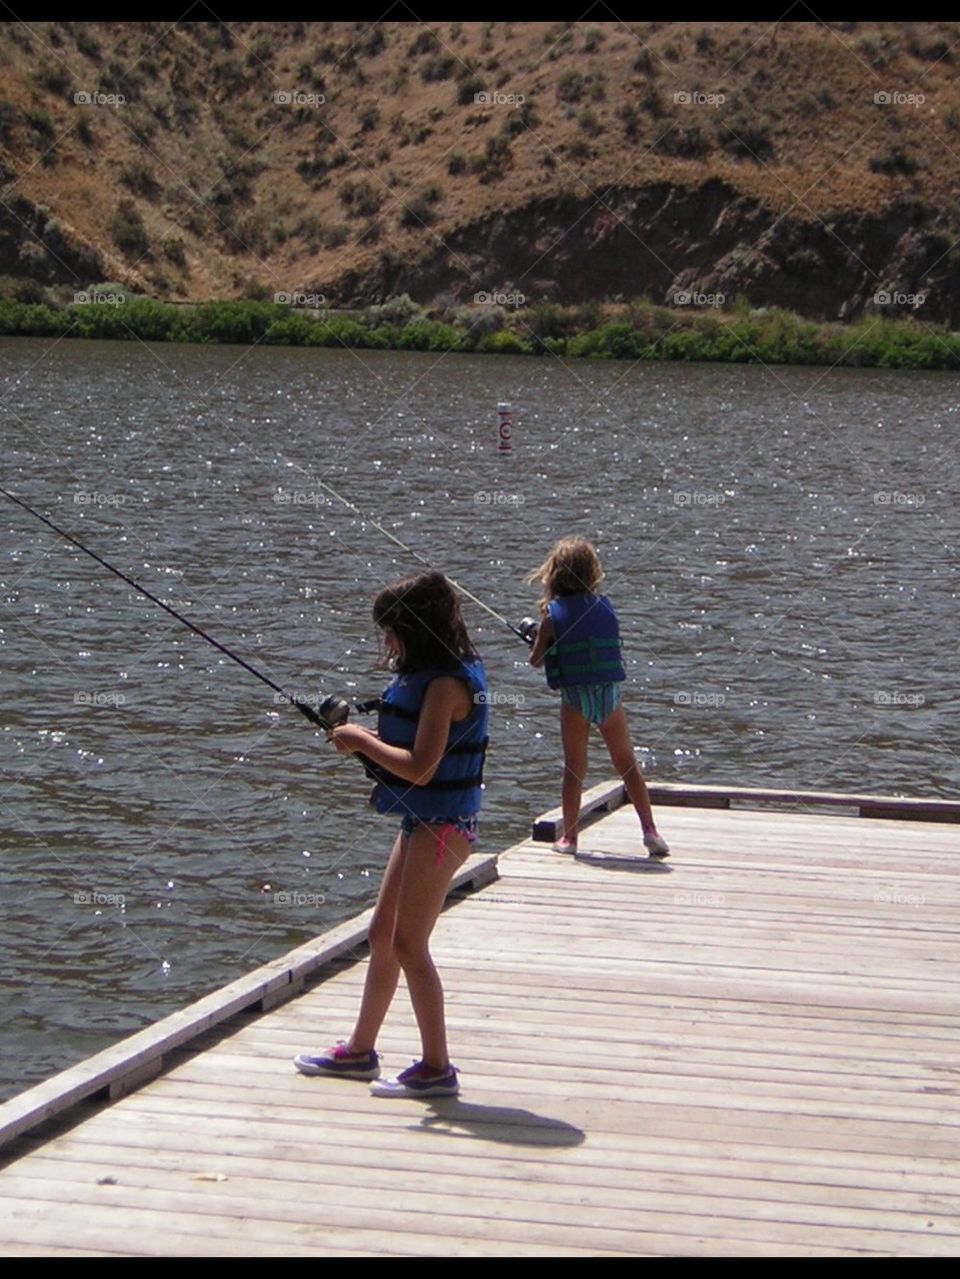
545	637
444	699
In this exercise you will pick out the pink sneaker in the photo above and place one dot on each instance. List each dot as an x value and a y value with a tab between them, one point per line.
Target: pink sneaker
656	845
564	845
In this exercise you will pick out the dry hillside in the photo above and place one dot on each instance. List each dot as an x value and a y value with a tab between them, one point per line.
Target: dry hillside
353	160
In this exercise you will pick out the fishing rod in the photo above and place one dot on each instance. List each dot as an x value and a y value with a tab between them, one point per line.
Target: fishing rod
331	712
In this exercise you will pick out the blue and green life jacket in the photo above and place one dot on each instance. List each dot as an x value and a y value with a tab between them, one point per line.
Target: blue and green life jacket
586	649
455	788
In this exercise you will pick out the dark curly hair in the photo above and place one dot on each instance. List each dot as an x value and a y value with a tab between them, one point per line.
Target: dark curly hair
424	613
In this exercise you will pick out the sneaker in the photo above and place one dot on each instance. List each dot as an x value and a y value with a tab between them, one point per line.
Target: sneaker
419	1080
656	845
339	1062
565	846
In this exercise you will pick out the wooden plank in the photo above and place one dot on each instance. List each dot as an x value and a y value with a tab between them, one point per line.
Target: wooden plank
911	808
137	1056
339	1210
607	796
526	1040
751	1175
507	1138
788	1033
661	1087
596	801
421	1192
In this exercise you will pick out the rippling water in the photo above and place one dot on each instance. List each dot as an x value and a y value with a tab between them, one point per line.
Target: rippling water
780	546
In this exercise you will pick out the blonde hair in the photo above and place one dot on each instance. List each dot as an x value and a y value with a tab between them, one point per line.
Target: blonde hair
571	568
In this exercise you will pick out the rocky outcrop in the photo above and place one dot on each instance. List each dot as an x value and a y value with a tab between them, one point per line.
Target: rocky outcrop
663	240
36	245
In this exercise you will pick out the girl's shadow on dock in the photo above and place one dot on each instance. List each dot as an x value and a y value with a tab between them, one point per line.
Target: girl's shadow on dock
622	861
454	1118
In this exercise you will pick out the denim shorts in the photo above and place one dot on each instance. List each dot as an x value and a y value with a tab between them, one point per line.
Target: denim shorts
595	702
468	827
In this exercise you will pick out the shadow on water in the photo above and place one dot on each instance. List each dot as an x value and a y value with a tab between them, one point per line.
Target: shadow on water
514	1127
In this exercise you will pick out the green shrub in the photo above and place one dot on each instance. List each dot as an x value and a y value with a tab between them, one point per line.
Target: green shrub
292	330
504	343
424	42
40	122
467	89
495	159
683	141
128	230
644	64
440	67
342	332
631	120
261	51
429	335
745	139
26	319
613	341
418	211
333	236
684	344
520	118
226	321
396	311
653	102
54	77
589	123
374	42
893	159
175	251
570	86
360	196
139	177
549	320
88	44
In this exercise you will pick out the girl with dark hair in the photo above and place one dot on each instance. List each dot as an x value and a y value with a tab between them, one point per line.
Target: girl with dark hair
427	757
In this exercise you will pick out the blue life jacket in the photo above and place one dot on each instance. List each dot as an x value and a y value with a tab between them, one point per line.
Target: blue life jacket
454	790
587	645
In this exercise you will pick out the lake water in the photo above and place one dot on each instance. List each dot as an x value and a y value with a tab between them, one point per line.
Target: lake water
780	545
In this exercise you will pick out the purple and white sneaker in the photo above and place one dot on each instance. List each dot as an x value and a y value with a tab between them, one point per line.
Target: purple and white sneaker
656	845
339	1062
419	1080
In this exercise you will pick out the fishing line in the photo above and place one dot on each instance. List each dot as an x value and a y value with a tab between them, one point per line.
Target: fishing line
331	712
523	630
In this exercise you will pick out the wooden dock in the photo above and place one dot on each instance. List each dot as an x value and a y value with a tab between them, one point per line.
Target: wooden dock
750	1049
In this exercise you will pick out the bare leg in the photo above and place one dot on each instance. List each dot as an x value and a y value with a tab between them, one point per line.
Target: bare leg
574	733
615	733
422	893
383	971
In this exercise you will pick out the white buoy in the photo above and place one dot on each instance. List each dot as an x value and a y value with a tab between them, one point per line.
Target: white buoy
504	428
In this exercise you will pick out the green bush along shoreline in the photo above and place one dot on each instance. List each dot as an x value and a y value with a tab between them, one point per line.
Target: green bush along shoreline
634	331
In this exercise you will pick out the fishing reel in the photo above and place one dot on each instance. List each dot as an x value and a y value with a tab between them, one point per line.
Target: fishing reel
527	629
330	713
333	712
